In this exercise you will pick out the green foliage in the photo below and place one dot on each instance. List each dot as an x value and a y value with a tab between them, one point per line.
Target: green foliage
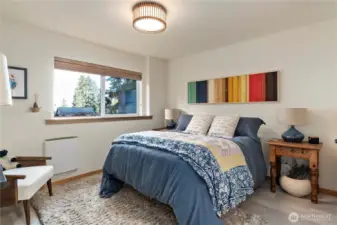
120	84
116	85
299	172
87	94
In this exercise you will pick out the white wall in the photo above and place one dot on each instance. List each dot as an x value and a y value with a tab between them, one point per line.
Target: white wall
2	29
23	132
307	61
158	85
1	35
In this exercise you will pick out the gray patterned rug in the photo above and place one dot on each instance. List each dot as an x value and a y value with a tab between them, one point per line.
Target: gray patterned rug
78	203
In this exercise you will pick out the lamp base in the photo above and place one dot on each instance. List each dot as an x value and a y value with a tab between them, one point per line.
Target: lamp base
171	125
293	135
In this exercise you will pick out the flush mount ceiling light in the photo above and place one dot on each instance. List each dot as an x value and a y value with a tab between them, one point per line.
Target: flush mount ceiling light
149	17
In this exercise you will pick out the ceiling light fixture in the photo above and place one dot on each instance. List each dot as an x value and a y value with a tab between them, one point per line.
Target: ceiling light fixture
149	17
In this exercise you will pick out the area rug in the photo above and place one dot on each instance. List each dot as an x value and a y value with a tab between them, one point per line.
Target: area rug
78	203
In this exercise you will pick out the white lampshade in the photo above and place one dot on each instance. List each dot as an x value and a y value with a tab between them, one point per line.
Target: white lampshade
294	116
169	114
5	90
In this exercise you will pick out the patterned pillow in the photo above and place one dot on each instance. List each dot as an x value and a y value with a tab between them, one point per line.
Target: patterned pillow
224	126
199	124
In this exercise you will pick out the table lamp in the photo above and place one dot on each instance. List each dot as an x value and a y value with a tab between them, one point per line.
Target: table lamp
292	117
169	116
5	99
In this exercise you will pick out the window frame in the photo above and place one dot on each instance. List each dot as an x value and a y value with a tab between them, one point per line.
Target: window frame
103	72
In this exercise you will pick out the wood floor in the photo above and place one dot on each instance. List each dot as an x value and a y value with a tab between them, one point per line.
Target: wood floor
274	208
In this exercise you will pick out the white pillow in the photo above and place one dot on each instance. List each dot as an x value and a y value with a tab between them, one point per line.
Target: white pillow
224	126
199	124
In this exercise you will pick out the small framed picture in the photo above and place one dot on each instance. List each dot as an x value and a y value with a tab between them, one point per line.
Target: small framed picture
18	82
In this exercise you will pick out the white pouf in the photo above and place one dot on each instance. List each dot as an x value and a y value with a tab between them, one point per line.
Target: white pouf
298	188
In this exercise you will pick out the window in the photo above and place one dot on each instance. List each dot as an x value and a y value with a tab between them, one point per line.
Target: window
120	96
84	89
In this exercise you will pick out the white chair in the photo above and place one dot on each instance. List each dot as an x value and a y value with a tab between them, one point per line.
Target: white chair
22	183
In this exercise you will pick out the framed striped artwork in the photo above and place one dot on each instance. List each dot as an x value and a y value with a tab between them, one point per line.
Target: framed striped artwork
260	87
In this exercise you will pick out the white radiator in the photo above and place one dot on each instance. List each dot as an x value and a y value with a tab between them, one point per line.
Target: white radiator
63	152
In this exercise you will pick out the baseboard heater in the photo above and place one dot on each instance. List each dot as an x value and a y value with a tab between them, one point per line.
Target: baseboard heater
64	153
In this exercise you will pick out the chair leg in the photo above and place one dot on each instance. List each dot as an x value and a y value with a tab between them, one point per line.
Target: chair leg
27	211
50	188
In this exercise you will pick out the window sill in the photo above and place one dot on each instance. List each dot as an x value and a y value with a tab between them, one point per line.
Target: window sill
76	120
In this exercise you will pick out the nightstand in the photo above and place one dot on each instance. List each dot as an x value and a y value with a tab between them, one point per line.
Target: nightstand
303	150
161	129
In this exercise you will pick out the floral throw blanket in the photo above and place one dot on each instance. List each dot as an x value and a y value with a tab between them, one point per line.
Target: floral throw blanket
219	162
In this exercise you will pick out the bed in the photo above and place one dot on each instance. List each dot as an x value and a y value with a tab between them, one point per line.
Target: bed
200	189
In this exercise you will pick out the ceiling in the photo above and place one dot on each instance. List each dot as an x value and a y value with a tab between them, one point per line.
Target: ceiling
193	25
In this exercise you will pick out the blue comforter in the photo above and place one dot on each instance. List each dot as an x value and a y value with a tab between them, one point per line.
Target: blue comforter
169	179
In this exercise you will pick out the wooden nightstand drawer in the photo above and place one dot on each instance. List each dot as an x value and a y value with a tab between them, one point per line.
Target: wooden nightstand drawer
288	149
293	152
298	150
